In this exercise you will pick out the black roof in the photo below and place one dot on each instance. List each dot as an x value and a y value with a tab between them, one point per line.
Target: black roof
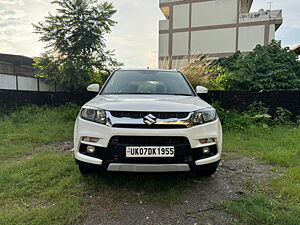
296	49
16	59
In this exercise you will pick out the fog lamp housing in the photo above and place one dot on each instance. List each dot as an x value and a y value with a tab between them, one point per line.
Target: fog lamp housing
206	150
90	149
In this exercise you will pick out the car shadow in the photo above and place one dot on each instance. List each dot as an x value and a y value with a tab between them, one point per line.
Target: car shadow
165	188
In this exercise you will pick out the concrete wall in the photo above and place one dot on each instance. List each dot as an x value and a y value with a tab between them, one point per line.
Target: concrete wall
272	33
13	82
181	16
164	25
249	37
214	13
213	41
180	43
163	45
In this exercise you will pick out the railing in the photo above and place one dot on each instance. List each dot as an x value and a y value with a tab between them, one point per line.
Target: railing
261	15
167	1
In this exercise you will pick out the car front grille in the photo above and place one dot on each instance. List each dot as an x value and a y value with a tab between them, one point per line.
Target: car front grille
153	126
158	115
140	120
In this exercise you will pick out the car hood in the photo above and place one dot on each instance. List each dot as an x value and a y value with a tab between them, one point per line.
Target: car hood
148	103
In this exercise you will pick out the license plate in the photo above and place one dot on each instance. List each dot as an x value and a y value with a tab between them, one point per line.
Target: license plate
150	151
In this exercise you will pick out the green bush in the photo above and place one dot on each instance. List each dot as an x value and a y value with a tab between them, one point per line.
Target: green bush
24	114
298	119
266	68
282	116
257	114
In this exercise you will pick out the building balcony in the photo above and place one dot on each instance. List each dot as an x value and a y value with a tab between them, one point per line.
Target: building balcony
263	15
165	6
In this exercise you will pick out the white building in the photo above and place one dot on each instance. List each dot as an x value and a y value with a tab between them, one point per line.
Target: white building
217	28
18	73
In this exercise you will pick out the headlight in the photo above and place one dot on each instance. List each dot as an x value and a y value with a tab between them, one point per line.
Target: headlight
94	114
204	116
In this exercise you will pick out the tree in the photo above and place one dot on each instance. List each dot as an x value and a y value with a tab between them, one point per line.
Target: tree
76	50
229	63
266	68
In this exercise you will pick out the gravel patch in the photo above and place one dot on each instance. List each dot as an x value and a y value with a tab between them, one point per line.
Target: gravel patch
197	206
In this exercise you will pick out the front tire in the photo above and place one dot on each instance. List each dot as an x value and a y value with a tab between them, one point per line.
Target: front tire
85	171
206	170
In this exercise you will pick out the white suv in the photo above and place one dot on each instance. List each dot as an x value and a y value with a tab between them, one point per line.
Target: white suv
148	121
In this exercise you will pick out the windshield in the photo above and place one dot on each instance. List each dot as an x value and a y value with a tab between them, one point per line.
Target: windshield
148	82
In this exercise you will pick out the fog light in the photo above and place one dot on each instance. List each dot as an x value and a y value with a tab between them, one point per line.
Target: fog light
207	140
90	139
90	149
206	150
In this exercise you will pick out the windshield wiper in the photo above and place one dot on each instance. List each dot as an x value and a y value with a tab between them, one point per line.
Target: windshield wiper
183	94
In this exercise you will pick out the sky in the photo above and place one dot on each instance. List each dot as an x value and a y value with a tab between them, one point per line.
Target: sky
134	38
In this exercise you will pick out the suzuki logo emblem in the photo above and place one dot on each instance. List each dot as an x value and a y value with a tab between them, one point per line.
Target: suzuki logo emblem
150	119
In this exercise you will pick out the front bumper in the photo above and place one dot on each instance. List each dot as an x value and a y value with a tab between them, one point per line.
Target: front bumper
148	167
123	167
105	134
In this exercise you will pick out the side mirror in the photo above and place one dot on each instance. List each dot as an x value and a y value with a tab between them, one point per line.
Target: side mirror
201	90
93	88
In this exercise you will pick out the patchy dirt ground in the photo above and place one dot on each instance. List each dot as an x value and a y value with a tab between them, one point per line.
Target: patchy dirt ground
198	200
60	146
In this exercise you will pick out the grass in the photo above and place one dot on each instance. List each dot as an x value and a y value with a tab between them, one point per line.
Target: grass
259	209
32	127
37	186
277	201
40	190
40	186
279	145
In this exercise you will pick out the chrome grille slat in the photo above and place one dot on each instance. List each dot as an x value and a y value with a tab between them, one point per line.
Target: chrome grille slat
159	115
163	120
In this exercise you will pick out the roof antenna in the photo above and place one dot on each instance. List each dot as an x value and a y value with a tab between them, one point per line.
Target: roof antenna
270	9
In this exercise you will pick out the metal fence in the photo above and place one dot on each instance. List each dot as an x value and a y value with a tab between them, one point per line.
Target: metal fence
19	70
238	100
24	83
